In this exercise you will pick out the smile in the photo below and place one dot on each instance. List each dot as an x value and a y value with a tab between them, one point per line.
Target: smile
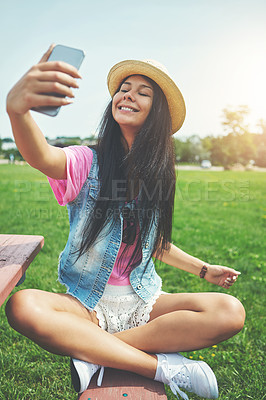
127	109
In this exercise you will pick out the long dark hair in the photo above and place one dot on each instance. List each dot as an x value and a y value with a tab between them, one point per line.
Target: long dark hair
146	170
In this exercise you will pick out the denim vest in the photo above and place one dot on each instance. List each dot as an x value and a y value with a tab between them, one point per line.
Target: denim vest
86	278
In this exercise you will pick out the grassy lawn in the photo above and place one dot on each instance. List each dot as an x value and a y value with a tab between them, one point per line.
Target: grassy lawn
219	217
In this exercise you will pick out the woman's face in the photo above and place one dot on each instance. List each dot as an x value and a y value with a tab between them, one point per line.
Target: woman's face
132	104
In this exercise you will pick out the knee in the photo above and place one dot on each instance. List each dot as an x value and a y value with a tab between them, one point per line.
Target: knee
232	315
21	310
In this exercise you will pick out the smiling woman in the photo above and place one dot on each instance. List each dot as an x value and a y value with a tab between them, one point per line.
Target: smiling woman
120	198
131	105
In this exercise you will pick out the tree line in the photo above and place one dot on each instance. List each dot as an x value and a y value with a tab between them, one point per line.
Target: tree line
237	145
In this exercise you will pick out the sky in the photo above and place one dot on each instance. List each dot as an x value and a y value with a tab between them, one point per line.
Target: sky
215	51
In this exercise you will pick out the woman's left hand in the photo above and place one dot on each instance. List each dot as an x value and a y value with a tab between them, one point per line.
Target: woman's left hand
221	276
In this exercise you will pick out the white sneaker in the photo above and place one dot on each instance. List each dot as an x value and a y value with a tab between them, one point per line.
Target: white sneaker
194	376
82	372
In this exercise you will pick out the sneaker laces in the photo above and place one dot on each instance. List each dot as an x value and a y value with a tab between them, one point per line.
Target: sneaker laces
183	381
100	377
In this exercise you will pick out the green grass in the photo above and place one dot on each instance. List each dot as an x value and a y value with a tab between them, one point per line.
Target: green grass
219	217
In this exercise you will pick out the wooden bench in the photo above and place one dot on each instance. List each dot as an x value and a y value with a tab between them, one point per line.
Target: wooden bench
16	254
123	385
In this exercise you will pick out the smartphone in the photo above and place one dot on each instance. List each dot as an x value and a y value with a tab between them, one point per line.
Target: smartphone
69	55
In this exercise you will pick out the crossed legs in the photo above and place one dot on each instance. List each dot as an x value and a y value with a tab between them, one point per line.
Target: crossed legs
178	322
187	321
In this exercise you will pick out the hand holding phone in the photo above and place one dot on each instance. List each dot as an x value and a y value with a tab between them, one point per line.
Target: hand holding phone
70	56
40	88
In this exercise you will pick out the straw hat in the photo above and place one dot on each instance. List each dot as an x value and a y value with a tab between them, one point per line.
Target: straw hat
157	72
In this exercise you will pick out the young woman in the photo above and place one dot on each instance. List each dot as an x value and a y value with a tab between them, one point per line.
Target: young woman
120	199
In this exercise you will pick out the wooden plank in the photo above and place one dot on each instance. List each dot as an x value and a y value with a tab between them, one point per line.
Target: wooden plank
16	254
123	385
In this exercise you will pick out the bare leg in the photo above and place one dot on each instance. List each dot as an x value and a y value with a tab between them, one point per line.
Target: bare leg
61	325
187	321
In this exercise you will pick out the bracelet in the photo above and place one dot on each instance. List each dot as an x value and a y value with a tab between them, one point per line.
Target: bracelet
203	271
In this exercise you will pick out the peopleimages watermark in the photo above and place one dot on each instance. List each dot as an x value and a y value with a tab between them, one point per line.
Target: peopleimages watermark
135	213
42	213
225	190
215	191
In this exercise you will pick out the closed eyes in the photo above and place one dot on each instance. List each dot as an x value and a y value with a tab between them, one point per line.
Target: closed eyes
141	94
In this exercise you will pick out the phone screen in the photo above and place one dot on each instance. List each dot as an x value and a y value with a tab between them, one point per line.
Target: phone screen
69	55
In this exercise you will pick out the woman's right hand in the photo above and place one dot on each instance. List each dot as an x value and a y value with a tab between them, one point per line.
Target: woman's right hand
44	77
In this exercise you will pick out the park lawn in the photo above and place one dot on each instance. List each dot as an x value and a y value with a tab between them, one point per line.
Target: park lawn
219	217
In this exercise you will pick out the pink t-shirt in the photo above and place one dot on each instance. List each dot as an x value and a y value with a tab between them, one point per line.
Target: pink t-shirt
79	160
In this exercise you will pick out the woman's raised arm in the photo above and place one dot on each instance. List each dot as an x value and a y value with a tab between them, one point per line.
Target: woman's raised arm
45	77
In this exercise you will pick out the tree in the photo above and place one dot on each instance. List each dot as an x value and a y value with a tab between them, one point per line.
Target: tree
260	158
183	150
191	150
237	145
221	151
234	120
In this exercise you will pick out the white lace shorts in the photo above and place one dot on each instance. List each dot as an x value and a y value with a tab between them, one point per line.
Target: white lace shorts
120	308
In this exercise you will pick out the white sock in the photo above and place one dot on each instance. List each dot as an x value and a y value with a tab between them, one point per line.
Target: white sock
159	375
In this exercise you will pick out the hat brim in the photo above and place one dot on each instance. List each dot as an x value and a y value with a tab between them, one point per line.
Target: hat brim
173	95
